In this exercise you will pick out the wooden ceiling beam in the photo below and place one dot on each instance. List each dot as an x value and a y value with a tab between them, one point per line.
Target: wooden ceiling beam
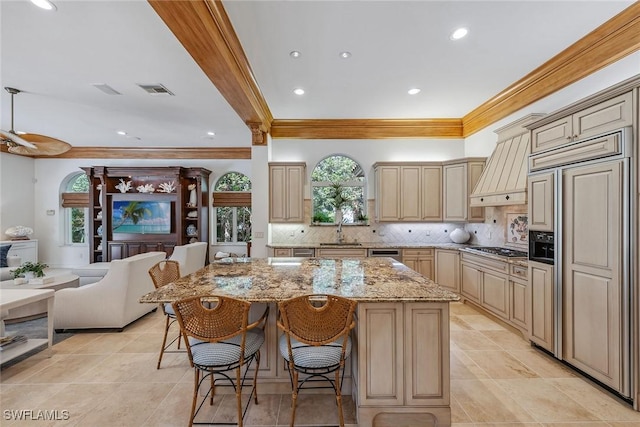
204	29
220	153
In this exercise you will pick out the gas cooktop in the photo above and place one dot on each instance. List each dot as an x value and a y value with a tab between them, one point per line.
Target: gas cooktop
511	253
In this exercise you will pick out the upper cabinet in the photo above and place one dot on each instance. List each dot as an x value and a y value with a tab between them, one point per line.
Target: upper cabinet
541	205
504	179
286	192
409	192
459	178
612	114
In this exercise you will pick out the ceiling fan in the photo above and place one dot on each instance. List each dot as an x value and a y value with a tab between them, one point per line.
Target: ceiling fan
30	144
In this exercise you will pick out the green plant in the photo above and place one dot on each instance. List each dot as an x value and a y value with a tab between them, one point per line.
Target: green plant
338	197
37	268
321	217
362	217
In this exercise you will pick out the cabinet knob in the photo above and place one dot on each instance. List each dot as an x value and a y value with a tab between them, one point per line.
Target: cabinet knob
569	138
507	197
482	199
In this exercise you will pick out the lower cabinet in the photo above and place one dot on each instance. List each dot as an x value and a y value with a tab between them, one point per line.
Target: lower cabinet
519	309
125	249
447	272
420	260
542	301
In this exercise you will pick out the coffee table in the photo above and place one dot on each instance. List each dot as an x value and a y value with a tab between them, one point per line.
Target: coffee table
16	298
37	309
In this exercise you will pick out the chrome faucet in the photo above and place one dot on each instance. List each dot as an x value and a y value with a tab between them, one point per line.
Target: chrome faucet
339	231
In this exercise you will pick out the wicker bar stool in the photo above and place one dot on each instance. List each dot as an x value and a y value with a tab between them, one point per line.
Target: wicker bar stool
316	342
162	274
220	339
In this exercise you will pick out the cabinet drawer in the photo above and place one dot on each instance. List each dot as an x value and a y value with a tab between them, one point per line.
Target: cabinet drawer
595	148
486	262
282	252
418	252
341	253
519	271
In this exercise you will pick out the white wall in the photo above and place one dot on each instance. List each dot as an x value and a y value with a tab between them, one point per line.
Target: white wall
16	193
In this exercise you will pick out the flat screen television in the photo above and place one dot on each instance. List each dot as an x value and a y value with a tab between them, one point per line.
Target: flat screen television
141	217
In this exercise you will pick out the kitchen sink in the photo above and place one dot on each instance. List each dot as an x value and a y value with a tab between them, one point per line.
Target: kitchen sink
341	244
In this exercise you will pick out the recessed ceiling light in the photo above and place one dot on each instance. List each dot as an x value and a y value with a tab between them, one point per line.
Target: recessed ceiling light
458	34
44	4
413	91
211	133
345	55
298	91
295	54
121	132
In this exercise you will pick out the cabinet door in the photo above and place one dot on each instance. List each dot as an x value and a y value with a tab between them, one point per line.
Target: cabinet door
426	267
432	193
426	357
592	271
447	272
388	193
541	202
455	192
551	135
471	283
495	293
116	250
474	172
541	284
411	262
519	300
286	193
609	115
410	193
381	361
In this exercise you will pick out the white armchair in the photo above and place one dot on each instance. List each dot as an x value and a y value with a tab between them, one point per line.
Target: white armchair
191	257
113	301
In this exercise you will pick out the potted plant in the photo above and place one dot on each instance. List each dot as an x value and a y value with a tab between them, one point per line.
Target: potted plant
362	218
34	269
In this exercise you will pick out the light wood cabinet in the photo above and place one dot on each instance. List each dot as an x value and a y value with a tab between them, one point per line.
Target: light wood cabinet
541	289
592	297
403	359
519	298
408	192
341	252
286	192
495	293
459	179
541	202
448	269
608	115
420	260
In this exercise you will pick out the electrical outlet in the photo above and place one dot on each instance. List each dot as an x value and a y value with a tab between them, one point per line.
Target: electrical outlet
488	234
292	234
428	233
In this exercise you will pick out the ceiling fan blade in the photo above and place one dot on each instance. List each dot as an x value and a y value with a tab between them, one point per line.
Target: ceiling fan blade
44	145
17	139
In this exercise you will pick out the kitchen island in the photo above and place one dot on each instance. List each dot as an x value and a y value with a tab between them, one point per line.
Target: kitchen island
399	370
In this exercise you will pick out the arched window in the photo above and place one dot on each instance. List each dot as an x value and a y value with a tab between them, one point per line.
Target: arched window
232	208
75	203
338	183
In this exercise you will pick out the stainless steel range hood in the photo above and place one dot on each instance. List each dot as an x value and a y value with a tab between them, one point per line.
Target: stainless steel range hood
504	179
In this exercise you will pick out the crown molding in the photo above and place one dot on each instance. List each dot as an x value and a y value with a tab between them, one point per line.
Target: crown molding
228	153
366	128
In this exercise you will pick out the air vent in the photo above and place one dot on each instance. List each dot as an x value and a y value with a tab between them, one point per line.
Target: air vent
106	88
156	89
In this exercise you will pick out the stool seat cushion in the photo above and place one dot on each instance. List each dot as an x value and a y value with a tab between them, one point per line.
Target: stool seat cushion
308	356
225	352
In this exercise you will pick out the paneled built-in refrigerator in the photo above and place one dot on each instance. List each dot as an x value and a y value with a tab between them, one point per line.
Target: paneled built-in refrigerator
592	262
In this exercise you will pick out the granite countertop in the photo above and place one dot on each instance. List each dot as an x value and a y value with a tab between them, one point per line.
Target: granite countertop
523	262
277	279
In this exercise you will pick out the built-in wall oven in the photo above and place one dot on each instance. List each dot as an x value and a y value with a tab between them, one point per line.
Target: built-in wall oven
541	246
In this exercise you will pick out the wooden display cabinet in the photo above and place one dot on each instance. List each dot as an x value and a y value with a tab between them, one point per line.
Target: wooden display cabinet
172	188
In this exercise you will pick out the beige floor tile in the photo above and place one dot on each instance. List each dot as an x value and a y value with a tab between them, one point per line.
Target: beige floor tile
579	424
464	368
457	324
77	342
142	343
484	401
67	369
27	396
500	364
315	410
508	340
481	323
108	343
510	425
174	410
472	340
265	413
18	372
543	365
458	415
462	308
623	424
546	402
589	396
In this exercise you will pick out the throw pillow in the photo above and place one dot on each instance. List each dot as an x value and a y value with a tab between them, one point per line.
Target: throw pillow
4	250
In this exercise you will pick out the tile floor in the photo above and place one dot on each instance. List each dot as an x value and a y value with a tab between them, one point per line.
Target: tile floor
497	380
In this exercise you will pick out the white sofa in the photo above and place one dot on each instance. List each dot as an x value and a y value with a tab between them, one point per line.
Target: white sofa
91	273
191	257
112	302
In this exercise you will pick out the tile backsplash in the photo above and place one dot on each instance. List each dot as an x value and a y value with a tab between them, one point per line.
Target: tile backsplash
490	233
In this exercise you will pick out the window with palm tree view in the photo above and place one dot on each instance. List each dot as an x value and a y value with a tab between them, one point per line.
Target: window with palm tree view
338	189
232	208
76	217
